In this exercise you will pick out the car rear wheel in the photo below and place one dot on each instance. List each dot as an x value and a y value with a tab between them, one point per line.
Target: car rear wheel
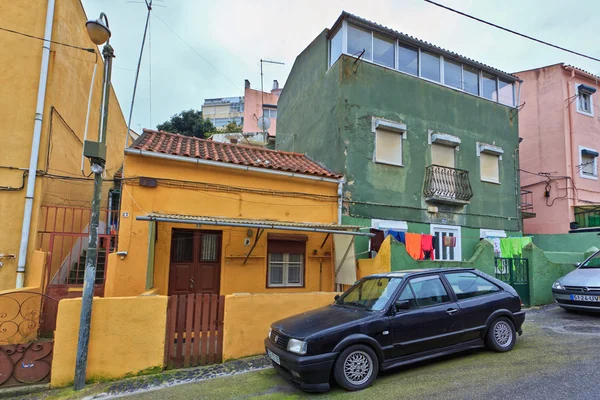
501	336
356	367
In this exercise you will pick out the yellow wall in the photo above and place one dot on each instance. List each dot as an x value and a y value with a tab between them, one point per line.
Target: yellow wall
69	77
127	336
380	264
128	277
249	317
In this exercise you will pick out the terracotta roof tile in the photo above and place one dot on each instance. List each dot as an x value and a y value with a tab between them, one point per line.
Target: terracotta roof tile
186	146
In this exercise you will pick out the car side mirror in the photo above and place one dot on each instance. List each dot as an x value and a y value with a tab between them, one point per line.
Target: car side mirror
337	296
402	305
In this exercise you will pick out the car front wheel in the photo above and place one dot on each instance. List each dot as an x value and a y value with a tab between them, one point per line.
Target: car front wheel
501	336
356	367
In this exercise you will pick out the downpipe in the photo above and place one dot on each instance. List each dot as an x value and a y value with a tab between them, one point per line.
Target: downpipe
35	147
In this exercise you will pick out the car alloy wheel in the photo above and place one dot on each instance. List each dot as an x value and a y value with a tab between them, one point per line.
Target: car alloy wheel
503	334
358	367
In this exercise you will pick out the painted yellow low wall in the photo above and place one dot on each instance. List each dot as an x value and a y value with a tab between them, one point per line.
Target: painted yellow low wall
249	316
127	337
380	264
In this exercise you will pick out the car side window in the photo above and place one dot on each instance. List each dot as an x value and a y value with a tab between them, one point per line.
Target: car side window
468	284
429	291
407	294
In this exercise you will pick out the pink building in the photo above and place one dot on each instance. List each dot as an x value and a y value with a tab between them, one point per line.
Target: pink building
560	127
257	104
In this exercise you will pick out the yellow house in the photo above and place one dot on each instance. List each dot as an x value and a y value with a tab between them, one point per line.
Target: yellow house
44	94
199	216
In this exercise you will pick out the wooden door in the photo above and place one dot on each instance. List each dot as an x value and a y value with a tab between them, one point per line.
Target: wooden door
195	262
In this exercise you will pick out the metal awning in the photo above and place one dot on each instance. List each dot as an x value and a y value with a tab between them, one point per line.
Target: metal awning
256	223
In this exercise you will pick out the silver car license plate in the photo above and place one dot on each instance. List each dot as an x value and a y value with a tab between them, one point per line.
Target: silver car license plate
274	357
584	297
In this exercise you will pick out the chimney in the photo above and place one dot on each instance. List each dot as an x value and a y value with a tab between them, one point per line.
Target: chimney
275	84
246	84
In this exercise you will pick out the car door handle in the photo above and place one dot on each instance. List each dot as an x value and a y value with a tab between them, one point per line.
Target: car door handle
452	310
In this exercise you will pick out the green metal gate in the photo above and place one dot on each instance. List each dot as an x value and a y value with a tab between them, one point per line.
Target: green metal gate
515	272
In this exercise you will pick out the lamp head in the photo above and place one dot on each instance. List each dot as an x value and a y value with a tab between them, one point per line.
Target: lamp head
98	29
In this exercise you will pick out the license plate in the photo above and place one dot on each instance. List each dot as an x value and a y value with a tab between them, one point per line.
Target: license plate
274	357
583	297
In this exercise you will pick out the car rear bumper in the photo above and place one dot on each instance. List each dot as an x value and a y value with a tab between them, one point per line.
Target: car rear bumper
563	299
309	373
519	318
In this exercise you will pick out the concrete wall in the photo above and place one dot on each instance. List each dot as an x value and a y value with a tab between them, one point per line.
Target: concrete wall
69	77
248	318
542	274
253	101
128	277
570	243
127	337
552	135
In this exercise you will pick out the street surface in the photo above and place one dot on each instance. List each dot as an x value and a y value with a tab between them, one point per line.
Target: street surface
557	357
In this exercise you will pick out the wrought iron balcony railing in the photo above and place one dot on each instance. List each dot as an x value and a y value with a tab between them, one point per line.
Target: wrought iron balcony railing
447	185
526	204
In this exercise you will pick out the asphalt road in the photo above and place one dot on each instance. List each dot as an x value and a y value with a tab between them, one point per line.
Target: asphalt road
558	357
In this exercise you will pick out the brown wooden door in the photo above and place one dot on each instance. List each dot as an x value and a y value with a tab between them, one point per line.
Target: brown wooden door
195	262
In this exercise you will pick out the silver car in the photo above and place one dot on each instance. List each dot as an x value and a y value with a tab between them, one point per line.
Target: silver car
580	289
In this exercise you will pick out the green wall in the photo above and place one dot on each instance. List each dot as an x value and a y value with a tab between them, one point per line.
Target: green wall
327	113
570	242
542	274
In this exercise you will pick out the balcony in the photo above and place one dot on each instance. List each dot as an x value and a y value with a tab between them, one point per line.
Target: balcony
447	185
586	217
526	205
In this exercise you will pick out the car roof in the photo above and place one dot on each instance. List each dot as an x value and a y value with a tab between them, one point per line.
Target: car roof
415	272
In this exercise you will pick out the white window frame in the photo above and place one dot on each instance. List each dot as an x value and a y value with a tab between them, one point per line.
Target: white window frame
285	272
581	174
392	126
579	110
492	150
456	230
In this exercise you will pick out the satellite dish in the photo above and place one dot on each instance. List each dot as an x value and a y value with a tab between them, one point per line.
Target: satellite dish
264	123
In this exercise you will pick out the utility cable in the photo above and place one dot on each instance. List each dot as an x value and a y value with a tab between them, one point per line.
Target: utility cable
513	32
89	50
197	53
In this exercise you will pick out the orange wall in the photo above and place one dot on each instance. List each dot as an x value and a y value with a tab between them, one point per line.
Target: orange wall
253	101
128	276
544	125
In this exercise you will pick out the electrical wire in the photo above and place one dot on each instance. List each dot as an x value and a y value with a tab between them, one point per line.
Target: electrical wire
197	53
89	50
511	31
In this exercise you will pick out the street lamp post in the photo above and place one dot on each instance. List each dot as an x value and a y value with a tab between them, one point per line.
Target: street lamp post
99	32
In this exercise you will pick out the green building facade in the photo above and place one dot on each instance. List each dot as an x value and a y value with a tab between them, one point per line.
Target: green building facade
426	139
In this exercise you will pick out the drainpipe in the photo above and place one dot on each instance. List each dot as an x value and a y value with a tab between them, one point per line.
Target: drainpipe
35	146
570	112
340	202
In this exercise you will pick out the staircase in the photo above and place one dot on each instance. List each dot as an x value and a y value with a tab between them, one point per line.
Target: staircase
78	269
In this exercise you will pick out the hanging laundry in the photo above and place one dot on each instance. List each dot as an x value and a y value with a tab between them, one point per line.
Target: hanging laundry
399	236
496	243
449	241
413	245
376	240
427	247
506	247
517	244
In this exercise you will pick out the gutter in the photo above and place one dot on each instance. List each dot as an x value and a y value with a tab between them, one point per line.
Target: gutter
200	161
35	147
570	114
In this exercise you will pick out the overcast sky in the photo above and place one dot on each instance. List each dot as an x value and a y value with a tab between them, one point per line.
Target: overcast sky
231	37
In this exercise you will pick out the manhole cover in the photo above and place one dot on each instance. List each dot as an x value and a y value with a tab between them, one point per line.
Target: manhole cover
582	328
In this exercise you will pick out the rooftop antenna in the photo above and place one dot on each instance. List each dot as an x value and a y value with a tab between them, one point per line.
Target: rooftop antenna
262	91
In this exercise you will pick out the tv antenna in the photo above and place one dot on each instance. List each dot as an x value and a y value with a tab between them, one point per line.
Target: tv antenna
262	91
264	123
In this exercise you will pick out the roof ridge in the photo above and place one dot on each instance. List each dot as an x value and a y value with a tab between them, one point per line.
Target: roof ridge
255	148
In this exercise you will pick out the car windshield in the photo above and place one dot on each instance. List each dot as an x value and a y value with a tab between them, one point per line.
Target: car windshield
370	294
593	262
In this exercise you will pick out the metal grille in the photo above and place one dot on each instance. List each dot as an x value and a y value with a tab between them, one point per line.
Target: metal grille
586	289
448	183
279	339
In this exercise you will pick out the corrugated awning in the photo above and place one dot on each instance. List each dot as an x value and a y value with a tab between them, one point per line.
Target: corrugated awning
255	223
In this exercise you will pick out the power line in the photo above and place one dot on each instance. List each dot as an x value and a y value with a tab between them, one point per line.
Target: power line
513	32
89	50
197	53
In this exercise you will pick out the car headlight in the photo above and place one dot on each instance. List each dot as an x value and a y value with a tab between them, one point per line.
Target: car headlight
270	330
557	285
296	346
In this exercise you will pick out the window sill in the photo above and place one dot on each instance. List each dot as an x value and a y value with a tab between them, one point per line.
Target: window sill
590	177
286	287
490	181
388	163
589	114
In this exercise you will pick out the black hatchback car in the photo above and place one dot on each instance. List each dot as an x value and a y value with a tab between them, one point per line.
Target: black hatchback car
387	320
